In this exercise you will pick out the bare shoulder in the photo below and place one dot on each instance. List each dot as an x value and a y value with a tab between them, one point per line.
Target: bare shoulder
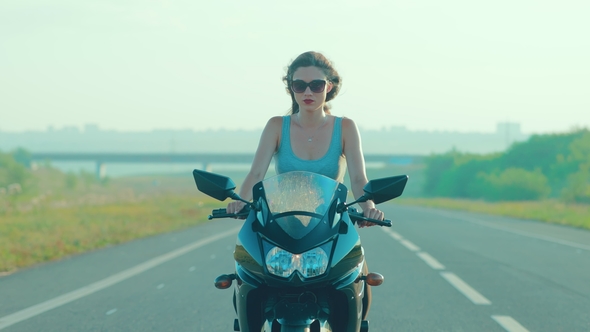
349	127
274	122
271	134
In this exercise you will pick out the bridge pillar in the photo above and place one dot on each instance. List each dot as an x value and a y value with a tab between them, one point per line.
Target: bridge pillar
101	170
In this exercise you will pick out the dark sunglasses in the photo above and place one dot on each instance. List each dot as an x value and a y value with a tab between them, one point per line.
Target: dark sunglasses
316	86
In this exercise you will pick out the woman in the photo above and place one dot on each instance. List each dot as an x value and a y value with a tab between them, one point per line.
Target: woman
310	138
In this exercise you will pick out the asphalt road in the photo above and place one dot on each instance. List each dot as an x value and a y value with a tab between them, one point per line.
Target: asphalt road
444	271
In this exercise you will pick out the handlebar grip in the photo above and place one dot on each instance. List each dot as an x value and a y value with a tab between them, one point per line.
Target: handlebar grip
356	216
222	213
218	212
384	222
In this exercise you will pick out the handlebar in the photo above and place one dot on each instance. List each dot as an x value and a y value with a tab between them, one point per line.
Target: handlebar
222	213
356	216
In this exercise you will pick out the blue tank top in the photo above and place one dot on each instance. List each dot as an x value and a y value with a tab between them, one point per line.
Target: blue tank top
332	164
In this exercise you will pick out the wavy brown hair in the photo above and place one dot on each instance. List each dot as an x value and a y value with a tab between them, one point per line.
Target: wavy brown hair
313	59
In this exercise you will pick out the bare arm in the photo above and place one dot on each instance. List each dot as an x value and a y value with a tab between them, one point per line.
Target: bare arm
266	148
356	166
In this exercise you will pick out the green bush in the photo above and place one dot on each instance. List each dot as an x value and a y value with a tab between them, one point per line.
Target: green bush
578	189
22	157
544	166
12	172
71	180
512	184
557	155
450	174
434	173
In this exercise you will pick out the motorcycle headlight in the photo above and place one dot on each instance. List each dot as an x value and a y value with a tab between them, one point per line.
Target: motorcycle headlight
310	263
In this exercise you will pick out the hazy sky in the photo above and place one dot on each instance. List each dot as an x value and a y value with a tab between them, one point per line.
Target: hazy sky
458	65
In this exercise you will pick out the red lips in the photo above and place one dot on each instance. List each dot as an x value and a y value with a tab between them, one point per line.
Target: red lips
308	101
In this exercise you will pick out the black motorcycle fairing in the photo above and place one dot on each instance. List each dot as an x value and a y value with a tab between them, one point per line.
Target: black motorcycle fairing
334	298
276	235
256	238
345	241
247	276
350	278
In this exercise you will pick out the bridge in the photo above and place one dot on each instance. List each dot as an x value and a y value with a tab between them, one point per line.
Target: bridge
101	159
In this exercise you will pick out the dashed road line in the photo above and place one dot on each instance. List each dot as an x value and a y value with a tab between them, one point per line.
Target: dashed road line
393	234
409	245
431	261
40	308
509	324
464	288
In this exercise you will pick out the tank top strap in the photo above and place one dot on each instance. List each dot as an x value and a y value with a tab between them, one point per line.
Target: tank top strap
336	143
285	144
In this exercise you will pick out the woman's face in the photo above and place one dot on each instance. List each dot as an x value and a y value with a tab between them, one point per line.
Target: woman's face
307	99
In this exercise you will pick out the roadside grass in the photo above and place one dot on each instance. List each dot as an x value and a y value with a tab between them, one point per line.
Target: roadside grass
66	224
551	211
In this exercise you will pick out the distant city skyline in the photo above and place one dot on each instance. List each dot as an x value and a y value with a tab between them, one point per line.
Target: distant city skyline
489	128
93	127
392	140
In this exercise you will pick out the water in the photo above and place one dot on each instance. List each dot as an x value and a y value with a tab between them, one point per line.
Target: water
134	169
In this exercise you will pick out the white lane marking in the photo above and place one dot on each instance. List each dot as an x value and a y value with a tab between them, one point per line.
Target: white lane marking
523	233
112	311
393	234
509	324
431	261
192	269
464	288
106	282
160	286
409	245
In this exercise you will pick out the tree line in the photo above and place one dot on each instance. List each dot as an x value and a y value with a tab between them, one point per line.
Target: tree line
544	166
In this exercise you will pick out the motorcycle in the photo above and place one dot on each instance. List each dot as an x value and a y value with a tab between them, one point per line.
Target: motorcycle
299	263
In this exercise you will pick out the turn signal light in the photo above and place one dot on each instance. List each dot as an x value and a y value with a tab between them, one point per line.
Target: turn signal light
374	279
224	281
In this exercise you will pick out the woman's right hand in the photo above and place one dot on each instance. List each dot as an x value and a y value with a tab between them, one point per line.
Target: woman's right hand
235	206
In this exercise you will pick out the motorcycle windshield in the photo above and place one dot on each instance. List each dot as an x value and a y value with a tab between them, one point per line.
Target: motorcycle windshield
299	200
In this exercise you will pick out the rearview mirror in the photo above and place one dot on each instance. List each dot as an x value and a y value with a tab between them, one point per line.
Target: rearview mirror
385	189
217	186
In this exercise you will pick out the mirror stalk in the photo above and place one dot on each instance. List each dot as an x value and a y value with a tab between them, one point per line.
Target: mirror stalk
253	205
237	197
344	206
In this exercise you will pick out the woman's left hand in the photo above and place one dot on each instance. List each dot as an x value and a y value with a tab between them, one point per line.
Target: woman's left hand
372	213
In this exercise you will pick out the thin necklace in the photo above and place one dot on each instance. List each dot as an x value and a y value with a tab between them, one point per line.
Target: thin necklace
310	137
